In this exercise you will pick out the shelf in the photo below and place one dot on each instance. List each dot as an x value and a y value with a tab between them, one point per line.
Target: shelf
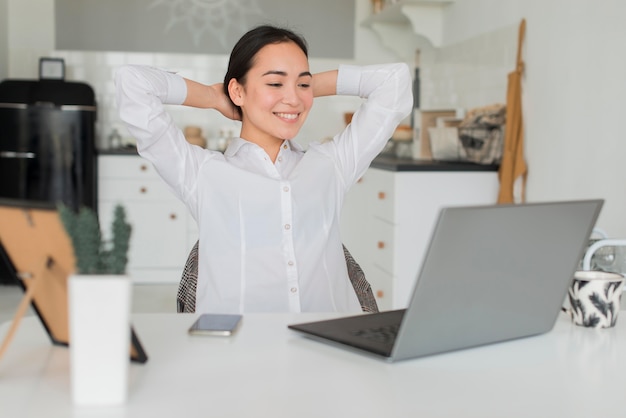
419	17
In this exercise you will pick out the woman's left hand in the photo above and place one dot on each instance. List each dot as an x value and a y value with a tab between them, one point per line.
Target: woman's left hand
222	104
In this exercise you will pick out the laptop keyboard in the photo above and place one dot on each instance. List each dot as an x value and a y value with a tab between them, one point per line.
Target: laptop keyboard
385	334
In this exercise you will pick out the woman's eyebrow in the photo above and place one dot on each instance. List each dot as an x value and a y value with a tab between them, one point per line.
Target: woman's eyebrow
284	74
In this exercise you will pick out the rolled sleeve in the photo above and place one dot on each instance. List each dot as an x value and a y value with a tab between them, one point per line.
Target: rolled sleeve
348	80
169	87
176	89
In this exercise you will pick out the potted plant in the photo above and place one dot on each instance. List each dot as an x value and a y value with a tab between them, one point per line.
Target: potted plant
99	307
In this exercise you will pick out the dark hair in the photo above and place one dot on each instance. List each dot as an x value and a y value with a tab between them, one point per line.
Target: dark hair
244	51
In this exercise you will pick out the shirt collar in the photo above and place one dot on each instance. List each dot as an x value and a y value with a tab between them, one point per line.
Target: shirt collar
236	143
234	146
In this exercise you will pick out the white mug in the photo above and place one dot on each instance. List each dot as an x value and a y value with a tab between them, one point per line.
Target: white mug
594	298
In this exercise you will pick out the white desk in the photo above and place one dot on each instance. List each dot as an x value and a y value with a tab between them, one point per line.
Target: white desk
268	370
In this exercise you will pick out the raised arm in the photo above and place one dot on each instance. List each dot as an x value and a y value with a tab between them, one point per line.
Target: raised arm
386	90
209	97
142	93
325	83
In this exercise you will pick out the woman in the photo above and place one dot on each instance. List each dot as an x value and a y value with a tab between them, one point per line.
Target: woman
267	212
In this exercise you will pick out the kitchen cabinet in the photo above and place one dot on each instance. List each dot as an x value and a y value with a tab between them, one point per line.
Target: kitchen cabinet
388	218
162	230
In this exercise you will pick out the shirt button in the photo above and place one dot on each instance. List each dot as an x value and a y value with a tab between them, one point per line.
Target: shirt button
294	289
280	159
290	263
287	226
285	146
285	189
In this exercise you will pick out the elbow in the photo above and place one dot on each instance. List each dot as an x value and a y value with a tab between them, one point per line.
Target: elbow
121	75
404	89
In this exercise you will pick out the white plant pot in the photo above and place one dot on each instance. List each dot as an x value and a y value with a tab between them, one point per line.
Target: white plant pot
99	321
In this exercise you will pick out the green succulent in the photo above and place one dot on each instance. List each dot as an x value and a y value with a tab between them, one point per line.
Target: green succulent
93	254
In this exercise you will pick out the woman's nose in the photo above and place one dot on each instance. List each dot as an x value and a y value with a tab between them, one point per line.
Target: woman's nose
290	96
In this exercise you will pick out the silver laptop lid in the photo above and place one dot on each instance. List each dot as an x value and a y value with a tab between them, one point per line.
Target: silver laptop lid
494	273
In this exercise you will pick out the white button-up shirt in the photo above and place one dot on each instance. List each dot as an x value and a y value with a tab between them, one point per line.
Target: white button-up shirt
269	233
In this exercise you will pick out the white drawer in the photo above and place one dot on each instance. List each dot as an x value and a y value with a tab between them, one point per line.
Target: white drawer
125	166
130	189
383	200
382	287
159	233
383	234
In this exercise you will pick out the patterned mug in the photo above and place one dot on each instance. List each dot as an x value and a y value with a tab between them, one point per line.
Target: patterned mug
594	298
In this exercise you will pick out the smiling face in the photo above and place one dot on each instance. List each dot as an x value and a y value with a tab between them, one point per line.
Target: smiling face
276	96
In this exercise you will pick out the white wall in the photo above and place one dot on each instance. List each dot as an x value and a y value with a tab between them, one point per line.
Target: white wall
574	94
30	35
4	39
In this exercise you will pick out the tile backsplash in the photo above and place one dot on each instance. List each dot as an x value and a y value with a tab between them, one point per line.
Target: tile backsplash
97	69
471	73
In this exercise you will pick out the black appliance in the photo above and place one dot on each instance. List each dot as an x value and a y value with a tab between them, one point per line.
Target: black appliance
47	145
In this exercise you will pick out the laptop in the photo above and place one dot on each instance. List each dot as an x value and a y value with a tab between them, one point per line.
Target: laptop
491	274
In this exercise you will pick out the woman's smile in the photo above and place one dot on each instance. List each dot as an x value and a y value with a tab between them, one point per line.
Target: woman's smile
288	116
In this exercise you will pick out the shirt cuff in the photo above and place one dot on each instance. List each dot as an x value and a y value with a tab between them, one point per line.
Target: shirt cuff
176	89
348	80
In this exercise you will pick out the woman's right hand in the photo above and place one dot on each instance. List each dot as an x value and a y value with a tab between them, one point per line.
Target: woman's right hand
210	97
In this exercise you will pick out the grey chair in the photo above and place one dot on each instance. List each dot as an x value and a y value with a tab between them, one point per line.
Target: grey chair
186	297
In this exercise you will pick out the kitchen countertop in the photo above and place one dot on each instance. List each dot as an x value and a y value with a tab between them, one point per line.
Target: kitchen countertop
119	151
406	164
382	162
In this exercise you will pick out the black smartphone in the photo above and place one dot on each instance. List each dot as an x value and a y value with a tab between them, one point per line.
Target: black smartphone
215	324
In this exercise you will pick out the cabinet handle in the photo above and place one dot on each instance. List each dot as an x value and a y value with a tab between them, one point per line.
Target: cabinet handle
381	195
143	167
380	294
381	244
173	216
143	190
17	154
